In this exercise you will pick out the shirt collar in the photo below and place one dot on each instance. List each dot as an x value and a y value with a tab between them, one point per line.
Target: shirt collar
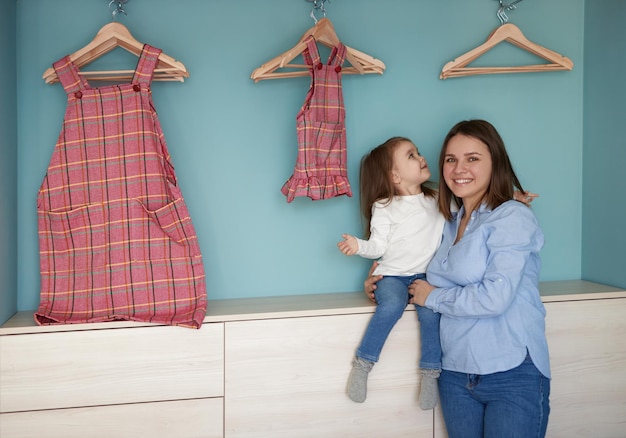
482	209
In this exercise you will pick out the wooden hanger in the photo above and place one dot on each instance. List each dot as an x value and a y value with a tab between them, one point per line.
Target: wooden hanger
323	32
512	34
114	35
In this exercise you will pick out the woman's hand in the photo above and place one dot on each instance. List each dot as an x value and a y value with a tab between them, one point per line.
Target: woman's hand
369	285
420	290
525	197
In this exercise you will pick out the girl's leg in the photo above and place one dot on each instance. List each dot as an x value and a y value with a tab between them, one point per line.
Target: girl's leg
430	357
357	381
430	354
391	297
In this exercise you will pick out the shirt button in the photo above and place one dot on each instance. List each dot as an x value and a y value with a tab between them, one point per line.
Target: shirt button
319	66
338	68
137	88
78	94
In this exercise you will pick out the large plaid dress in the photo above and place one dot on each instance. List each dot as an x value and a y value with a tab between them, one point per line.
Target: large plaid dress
116	240
320	171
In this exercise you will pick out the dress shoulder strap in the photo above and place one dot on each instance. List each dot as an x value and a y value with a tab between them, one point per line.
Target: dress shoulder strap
148	61
337	55
69	76
311	55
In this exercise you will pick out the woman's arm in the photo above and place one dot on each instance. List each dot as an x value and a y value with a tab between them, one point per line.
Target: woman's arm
500	253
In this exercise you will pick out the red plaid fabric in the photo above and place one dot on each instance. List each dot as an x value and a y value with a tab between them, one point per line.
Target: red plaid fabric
116	240
320	171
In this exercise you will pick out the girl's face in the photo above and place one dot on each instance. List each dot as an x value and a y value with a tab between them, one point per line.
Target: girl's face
467	169
410	169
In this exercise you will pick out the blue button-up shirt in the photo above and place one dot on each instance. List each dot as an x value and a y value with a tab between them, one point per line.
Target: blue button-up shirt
487	291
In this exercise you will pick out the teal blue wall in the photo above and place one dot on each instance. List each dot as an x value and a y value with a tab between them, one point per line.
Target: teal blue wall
8	171
233	142
604	155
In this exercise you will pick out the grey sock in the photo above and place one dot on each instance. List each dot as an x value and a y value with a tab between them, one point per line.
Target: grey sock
357	382
429	388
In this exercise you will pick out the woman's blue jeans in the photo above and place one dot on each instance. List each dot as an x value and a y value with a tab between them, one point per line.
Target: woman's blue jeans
509	404
392	296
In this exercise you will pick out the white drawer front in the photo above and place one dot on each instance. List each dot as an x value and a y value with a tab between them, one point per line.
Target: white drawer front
587	341
102	367
287	378
202	418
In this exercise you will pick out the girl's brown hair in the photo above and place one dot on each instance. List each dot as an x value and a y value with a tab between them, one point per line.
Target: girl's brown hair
376	179
503	179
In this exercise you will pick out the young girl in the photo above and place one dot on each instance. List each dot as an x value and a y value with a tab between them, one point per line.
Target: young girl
404	227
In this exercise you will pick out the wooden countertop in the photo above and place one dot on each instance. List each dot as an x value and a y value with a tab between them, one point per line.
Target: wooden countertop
297	306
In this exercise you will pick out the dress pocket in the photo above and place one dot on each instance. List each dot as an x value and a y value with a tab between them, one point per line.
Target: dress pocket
166	232
73	240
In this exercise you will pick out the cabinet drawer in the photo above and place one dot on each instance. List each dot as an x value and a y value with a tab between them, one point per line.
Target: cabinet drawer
287	378
203	418
114	366
587	341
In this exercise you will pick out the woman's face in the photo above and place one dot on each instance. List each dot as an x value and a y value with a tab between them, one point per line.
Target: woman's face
467	169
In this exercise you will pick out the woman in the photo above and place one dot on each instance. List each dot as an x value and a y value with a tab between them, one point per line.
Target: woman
483	280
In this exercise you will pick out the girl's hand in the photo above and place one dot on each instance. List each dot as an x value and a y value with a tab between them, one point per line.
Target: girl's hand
349	245
420	290
369	285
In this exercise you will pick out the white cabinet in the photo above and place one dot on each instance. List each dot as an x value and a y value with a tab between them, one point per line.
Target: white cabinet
587	341
278	367
287	378
130	381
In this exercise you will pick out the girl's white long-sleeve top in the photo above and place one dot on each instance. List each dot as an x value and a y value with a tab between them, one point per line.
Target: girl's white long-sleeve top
404	235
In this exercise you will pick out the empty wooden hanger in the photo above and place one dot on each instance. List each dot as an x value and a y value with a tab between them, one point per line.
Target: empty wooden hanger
512	34
114	35
323	32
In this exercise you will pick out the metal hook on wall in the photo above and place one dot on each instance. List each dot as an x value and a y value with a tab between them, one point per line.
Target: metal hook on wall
317	5
118	8
504	7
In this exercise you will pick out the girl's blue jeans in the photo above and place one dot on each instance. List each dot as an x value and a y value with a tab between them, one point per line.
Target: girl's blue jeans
509	404
392	297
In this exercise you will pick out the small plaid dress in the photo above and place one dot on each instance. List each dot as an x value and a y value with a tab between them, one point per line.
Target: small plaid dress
116	240
320	171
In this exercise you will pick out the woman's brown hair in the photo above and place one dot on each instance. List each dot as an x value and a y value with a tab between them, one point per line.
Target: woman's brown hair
375	180
503	179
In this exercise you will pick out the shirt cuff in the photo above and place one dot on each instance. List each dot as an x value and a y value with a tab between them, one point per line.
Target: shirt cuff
431	299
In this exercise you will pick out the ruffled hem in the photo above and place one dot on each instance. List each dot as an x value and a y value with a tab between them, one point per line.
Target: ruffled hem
317	188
